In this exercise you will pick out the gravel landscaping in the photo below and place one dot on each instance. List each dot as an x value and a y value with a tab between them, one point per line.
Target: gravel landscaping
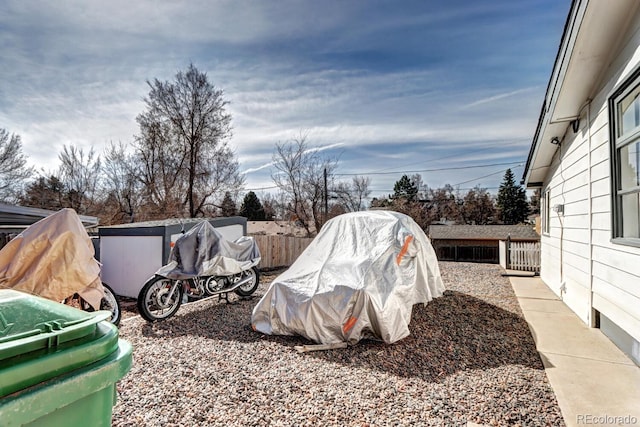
470	358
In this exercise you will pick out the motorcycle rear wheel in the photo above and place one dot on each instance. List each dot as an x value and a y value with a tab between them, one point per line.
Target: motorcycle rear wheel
153	300
250	287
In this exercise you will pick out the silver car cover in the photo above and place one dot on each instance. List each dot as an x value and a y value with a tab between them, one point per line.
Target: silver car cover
359	278
203	251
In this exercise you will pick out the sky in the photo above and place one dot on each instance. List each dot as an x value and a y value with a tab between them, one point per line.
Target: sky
448	89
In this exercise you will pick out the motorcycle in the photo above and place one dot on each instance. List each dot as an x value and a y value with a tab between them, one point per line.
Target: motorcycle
201	264
54	259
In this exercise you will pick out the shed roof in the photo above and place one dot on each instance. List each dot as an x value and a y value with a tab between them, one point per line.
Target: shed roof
220	221
20	216
483	232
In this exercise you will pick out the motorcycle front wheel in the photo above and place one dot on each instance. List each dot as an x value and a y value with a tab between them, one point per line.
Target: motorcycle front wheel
154	302
250	287
109	303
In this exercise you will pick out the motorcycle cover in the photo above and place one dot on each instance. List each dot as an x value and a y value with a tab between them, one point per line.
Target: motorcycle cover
53	258
202	251
359	278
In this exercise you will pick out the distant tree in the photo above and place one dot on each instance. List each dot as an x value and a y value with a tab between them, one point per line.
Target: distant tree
272	209
478	207
534	202
416	210
45	192
13	166
512	200
443	204
251	208
79	173
352	195
381	202
299	174
423	190
121	185
183	144
228	205
406	189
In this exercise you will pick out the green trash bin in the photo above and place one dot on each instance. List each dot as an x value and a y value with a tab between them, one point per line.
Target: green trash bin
58	365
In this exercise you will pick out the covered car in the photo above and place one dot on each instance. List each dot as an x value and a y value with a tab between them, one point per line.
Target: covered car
359	278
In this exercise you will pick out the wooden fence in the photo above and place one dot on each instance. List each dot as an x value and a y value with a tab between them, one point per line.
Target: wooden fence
523	256
280	251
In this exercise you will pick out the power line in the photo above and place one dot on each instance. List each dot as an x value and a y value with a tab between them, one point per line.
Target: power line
516	164
429	170
484	176
485	148
461	189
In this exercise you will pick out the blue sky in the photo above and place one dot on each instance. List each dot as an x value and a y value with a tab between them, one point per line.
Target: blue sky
388	86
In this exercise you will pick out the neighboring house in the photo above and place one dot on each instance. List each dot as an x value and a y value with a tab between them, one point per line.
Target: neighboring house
585	157
476	243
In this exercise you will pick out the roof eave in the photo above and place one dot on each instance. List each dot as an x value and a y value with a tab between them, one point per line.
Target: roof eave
591	32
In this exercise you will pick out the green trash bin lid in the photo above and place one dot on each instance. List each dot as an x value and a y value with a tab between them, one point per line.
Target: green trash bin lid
41	339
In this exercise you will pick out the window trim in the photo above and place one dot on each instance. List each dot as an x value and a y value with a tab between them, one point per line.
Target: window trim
615	143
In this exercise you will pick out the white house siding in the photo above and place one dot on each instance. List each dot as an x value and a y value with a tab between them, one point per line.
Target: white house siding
595	272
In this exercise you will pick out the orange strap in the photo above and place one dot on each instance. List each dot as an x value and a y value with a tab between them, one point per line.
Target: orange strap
404	249
349	324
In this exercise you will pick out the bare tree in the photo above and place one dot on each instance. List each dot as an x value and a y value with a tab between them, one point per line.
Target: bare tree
161	166
13	169
121	184
275	206
300	174
79	173
44	192
183	143
352	195
478	207
443	204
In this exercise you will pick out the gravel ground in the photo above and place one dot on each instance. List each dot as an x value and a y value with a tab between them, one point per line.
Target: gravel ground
470	358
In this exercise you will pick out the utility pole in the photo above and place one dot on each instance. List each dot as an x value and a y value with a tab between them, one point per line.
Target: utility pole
326	197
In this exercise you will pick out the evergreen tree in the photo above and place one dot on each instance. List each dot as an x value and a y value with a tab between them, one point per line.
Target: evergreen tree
228	206
512	200
406	189
251	208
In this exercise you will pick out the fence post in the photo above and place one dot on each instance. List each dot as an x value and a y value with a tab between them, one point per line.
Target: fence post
508	251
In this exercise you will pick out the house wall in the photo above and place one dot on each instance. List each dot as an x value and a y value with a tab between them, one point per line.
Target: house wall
593	276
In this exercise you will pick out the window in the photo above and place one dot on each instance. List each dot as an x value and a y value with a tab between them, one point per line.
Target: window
546	212
624	108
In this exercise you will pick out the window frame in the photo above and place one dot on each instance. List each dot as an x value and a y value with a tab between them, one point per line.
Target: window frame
616	143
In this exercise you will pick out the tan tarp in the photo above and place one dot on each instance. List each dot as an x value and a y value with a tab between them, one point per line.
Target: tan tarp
53	258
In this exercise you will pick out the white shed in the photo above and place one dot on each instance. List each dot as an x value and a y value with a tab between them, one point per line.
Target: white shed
585	158
131	253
